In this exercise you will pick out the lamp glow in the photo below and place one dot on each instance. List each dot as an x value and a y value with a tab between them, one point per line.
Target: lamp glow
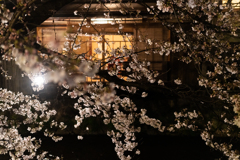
102	20
38	80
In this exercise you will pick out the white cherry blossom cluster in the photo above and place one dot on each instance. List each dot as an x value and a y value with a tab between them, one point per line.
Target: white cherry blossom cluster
155	123
187	120
31	111
95	105
6	15
226	149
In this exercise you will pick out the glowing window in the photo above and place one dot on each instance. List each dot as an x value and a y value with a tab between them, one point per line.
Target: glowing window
235	3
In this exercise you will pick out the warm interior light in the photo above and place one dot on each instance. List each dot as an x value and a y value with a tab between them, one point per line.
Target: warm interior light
102	20
233	1
38	80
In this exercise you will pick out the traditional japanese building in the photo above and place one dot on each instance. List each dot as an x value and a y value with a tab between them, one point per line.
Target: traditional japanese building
119	25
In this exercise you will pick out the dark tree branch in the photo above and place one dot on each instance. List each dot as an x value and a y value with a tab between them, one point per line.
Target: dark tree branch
145	87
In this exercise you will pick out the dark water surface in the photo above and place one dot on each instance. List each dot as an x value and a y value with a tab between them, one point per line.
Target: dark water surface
151	147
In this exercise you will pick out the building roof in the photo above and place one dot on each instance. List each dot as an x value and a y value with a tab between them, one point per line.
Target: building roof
100	10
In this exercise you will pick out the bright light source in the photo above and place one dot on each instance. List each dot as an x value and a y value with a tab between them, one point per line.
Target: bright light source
102	20
38	80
